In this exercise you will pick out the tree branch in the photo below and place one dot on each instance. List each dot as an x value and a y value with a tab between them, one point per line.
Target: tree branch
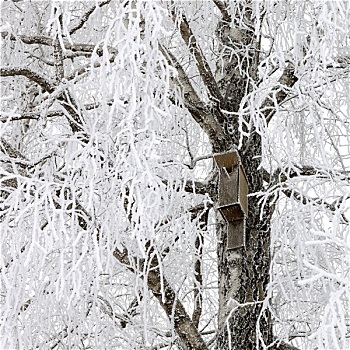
29	115
189	335
47	41
46	84
31	40
196	107
198	285
314	201
36	115
284	346
280	176
202	64
76	120
84	18
279	93
11	152
58	61
223	9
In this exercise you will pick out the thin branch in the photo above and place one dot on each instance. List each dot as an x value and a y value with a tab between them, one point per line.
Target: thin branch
131	311
83	217
36	115
74	118
84	18
315	201
198	286
198	187
279	93
47	41
6	148
24	163
29	115
31	55
31	40
280	176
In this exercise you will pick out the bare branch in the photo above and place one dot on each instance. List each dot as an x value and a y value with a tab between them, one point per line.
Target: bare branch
24	163
188	333
280	176
29	74
31	40
131	311
279	93
198	286
29	115
84	18
58	61
7	149
315	201
36	115
196	107
199	187
74	118
284	346
223	9
201	62
47	41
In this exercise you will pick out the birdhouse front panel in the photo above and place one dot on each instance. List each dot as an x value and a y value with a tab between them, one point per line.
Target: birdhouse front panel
228	182
235	234
233	192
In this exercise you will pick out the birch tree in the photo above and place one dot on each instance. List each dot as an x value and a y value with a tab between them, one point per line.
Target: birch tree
111	115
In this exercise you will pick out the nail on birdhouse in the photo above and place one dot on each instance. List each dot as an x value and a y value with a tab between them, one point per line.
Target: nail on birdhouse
233	196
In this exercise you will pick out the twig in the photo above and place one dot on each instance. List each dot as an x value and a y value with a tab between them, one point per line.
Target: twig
84	18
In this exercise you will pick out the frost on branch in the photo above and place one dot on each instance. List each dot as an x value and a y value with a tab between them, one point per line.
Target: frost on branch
96	169
110	114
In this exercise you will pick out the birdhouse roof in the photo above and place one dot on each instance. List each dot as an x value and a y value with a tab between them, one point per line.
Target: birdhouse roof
227	160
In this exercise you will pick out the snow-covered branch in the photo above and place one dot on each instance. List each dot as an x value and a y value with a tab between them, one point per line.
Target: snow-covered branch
190	40
199	111
161	289
279	93
226	17
84	18
46	84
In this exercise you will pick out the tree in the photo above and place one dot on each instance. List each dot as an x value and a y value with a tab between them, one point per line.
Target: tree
111	114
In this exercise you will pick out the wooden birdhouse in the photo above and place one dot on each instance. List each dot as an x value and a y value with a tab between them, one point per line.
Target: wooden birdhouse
233	196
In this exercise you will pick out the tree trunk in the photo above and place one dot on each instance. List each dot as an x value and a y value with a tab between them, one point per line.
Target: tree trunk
244	272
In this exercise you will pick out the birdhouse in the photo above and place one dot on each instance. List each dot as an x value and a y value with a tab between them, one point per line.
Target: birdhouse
233	196
233	186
